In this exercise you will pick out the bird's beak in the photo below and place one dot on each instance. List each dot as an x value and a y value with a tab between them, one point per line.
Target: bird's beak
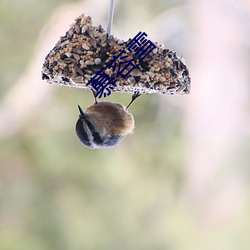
82	115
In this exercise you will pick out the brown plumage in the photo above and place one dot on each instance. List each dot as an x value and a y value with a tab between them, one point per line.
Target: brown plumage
110	117
104	125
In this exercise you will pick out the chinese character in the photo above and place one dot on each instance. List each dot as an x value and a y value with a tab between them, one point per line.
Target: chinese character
101	82
139	45
128	63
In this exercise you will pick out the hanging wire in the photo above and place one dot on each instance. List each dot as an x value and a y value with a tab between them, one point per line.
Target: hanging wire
110	15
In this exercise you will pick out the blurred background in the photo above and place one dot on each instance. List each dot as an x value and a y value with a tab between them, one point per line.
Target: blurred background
180	182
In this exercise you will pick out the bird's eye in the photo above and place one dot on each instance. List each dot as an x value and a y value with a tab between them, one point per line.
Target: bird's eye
84	55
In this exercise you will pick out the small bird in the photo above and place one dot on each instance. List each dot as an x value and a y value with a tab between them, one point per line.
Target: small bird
104	124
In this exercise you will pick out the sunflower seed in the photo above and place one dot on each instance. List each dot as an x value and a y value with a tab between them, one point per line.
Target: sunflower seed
85	46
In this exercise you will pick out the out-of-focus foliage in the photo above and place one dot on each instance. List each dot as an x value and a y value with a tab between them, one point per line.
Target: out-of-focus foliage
57	194
20	24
